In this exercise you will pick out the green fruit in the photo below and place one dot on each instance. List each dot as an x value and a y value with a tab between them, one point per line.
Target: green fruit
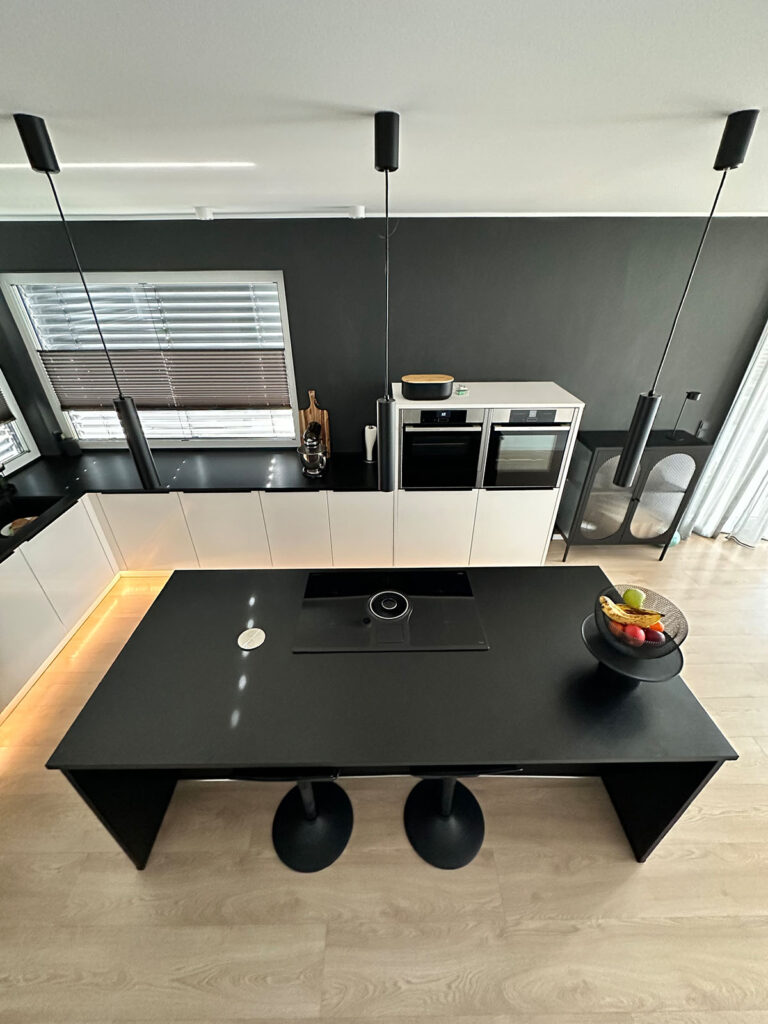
634	598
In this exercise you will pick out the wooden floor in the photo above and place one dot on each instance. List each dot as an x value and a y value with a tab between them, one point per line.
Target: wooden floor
553	923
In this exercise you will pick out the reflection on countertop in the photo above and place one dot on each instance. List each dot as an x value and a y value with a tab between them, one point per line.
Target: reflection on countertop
220	469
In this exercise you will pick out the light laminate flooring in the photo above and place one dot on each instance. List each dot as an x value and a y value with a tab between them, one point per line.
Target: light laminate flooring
553	923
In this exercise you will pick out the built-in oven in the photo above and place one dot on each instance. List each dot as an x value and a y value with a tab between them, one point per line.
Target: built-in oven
526	447
440	448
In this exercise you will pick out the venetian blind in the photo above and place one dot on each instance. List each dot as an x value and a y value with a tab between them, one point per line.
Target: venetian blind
174	346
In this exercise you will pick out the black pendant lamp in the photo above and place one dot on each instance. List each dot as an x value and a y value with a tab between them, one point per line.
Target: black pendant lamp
733	149
387	146
42	157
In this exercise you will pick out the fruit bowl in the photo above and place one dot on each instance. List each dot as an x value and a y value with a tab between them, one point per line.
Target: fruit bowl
629	617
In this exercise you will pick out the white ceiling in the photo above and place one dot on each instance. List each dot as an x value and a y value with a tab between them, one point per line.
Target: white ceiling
508	106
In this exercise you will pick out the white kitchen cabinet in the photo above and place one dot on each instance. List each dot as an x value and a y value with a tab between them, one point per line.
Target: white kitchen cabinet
70	564
361	527
434	527
150	530
30	629
227	530
513	527
298	528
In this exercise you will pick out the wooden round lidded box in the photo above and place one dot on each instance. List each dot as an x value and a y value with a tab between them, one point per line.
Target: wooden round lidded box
432	386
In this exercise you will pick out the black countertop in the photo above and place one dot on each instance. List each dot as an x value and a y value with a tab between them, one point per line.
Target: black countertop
45	510
182	694
211	469
657	439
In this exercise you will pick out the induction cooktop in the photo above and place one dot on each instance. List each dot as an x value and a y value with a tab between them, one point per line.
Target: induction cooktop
389	610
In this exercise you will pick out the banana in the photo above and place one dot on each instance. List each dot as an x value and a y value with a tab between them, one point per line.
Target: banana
628	616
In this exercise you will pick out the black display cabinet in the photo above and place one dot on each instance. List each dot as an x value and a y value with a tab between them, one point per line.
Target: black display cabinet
594	511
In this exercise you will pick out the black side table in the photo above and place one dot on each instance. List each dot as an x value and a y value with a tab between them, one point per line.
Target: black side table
594	511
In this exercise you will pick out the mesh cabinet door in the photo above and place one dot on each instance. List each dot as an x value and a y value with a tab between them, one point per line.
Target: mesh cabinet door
607	505
662	496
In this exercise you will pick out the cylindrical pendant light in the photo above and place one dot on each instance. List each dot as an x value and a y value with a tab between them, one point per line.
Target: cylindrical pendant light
40	153
731	154
386	159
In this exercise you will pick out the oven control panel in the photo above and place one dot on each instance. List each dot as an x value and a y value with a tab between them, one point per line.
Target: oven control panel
532	417
443	417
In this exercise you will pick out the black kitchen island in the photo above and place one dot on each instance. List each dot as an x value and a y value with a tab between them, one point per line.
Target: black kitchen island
183	700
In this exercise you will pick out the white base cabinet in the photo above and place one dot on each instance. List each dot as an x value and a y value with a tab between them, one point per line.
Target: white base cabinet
150	531
298	529
361	528
434	527
70	564
227	530
30	629
513	527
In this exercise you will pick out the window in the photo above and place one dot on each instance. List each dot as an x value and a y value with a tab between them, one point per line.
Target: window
17	447
206	357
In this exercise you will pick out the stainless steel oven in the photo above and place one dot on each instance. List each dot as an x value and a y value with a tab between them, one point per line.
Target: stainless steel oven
526	447
440	448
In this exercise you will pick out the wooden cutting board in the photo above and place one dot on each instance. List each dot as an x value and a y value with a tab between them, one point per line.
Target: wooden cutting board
313	412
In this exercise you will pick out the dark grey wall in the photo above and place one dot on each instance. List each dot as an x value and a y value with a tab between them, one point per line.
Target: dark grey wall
586	302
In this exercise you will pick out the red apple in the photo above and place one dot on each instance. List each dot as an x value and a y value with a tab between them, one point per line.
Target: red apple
615	627
634	635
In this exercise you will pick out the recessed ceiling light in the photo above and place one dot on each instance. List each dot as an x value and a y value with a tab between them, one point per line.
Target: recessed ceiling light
145	165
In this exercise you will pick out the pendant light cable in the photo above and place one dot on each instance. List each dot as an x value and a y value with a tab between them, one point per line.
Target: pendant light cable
82	278
387	386
688	282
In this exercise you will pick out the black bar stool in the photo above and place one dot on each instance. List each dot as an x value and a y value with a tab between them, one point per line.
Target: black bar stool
444	822
312	824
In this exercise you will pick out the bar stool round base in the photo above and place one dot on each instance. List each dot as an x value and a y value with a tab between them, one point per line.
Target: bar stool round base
305	844
445	841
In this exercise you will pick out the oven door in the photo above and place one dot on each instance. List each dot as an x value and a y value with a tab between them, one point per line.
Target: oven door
440	457
525	456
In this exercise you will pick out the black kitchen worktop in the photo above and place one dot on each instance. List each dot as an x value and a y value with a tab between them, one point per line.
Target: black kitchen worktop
183	695
211	469
594	439
45	510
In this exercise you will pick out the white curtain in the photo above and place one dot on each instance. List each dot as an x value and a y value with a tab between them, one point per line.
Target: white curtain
732	495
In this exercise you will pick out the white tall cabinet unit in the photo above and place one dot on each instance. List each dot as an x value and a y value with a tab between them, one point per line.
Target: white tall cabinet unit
496	526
